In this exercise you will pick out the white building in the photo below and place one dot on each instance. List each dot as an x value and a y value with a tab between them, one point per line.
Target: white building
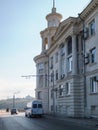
68	64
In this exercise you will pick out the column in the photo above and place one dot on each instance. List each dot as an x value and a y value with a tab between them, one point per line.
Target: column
43	46
37	78
59	63
66	62
74	55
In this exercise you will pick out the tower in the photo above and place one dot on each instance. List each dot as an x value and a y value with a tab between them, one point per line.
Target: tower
53	20
42	60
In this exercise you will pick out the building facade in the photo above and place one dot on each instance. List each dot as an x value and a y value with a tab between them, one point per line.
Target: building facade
67	67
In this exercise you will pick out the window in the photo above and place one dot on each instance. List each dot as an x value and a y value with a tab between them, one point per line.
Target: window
41	80
41	66
61	93
51	107
56	57
52	39
52	93
34	105
93	55
93	85
39	105
62	64
46	43
39	95
67	89
93	109
69	45
92	27
46	80
56	76
70	64
52	77
62	58
62	49
51	61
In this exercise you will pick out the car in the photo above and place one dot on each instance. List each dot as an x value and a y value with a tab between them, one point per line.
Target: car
14	111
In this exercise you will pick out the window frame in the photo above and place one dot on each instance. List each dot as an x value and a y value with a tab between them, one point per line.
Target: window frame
51	62
56	74
93	55
69	46
56	57
70	63
93	85
67	88
92	27
61	90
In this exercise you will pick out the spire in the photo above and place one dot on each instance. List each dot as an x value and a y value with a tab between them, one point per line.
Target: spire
53	18
53	3
53	9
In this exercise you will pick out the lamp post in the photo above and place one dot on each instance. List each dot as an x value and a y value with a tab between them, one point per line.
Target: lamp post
14	99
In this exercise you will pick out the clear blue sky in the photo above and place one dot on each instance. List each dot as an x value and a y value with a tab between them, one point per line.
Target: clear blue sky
20	24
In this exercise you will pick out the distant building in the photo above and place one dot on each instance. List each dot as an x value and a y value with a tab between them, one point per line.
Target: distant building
28	97
68	64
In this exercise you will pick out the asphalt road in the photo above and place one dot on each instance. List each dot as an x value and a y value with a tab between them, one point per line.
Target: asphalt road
20	122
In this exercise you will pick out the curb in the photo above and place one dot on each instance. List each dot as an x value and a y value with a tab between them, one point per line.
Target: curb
80	122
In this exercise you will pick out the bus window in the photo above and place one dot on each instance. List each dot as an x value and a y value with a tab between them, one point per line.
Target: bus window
39	105
34	105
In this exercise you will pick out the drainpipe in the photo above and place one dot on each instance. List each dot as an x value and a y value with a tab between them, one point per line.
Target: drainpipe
53	94
84	67
48	78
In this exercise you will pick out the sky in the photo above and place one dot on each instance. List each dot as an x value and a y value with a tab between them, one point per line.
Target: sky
21	22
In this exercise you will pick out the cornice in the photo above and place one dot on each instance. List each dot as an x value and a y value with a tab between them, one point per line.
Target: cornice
47	29
61	30
53	15
42	88
64	26
40	56
89	9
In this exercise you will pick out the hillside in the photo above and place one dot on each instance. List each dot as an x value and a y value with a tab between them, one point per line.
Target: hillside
20	103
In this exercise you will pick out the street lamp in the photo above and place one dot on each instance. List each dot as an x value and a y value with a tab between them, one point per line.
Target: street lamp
14	99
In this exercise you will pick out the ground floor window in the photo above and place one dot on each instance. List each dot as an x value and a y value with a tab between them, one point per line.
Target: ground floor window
93	85
61	90
67	88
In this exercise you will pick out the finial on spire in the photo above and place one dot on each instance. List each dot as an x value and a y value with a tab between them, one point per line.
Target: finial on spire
53	9
53	3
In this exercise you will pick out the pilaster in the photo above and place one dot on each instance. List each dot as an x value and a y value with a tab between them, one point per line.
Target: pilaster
74	55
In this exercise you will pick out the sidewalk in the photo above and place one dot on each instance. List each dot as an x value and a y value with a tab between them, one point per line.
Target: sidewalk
89	122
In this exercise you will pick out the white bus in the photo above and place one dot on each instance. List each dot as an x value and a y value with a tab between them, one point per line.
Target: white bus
34	108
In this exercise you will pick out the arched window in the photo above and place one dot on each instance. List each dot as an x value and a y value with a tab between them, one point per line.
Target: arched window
46	43
52	39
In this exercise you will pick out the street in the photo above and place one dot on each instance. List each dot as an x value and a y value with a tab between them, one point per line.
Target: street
20	122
